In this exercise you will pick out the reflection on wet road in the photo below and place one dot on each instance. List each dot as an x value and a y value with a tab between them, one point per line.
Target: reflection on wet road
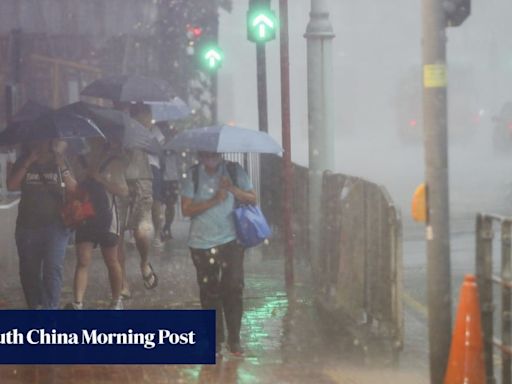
283	340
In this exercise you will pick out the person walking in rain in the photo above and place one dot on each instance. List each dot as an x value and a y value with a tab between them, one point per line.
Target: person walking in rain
42	176
208	196
104	180
170	186
136	210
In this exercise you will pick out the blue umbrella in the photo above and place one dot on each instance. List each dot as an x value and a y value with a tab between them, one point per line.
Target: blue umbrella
224	138
173	110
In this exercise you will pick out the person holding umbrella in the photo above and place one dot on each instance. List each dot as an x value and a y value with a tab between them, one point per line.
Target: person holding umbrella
136	211
104	181
130	93
42	176
208	196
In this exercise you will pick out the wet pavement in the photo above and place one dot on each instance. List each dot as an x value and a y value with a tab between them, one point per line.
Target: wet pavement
283	339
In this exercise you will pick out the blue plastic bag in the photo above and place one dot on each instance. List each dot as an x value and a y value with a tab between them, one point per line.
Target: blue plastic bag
251	226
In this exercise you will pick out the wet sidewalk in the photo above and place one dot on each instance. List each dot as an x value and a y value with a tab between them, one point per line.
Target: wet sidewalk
283	340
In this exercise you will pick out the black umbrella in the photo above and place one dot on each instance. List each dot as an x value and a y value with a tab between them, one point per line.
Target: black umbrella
129	88
18	129
55	125
116	125
31	110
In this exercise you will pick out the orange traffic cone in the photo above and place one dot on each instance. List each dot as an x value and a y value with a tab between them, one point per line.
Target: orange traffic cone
466	362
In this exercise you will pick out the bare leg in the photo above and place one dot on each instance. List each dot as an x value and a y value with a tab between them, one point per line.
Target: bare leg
142	236
115	272
125	288
83	260
156	215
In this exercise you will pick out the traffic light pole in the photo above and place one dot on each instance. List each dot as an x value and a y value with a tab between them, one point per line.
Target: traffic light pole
287	146
261	68
436	169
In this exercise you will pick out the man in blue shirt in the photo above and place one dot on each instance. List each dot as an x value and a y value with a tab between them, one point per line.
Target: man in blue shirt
208	197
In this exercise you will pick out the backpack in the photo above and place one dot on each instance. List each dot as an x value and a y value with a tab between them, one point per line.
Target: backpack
98	196
230	167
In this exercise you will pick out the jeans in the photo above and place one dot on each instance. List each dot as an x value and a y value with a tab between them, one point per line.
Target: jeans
41	253
220	275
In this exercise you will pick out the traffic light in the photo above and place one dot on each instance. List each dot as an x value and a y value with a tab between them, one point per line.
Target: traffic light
194	33
456	11
211	57
261	22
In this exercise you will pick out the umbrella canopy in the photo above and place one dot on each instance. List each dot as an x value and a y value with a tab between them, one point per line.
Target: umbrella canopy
31	110
129	88
55	125
224	138
173	110
18	129
117	125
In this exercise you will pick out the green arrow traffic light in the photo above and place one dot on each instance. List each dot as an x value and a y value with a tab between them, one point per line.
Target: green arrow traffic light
212	57
261	25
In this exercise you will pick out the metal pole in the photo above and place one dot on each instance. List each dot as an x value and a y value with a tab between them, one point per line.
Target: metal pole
436	169
319	35
261	67
287	146
506	296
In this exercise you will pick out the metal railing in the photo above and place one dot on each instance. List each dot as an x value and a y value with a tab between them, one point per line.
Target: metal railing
359	271
486	279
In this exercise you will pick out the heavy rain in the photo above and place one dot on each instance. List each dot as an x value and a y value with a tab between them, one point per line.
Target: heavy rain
367	144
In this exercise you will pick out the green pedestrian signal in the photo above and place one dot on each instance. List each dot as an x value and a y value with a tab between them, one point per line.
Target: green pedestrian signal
211	57
261	24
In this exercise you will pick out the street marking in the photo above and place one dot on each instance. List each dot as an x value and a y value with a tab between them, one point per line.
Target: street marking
415	305
434	76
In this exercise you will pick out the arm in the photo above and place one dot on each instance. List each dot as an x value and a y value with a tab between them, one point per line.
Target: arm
19	170
113	178
190	208
67	177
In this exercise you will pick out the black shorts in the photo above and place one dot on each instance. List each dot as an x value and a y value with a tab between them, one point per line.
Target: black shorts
101	238
157	183
170	191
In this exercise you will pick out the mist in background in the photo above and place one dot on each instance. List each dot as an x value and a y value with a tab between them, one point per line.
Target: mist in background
377	54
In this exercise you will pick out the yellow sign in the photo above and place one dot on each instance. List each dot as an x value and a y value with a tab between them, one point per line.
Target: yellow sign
434	75
419	204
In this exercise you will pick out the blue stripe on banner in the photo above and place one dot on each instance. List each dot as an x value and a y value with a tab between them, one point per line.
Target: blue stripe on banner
107	337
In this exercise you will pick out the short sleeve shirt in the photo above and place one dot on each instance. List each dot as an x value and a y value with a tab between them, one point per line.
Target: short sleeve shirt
215	226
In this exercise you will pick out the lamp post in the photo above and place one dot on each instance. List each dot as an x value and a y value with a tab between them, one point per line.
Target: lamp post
319	35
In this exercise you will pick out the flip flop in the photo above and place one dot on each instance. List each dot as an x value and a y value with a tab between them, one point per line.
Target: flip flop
150	280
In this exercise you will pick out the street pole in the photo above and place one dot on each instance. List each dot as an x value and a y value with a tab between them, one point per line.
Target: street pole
436	170
261	68
319	35
287	146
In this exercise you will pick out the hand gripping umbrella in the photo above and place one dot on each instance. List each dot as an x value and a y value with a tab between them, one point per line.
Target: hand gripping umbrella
222	139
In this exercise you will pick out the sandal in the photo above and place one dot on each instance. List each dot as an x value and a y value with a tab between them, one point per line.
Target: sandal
151	279
126	294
